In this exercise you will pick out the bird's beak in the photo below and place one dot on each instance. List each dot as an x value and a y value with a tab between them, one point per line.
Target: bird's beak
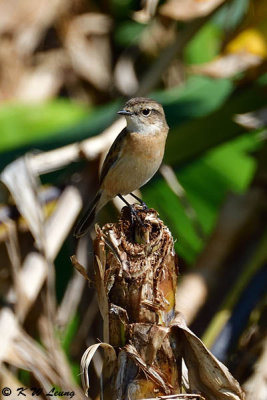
124	112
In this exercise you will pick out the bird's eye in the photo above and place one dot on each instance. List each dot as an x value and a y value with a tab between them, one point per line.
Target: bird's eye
146	112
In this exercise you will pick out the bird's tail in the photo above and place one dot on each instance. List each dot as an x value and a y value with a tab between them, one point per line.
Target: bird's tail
86	221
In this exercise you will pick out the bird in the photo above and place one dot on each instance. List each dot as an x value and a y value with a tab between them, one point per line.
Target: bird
134	157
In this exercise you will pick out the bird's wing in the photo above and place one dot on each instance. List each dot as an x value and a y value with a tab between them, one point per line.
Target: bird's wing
113	154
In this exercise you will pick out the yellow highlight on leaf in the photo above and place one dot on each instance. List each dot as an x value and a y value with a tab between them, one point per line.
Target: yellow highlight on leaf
250	41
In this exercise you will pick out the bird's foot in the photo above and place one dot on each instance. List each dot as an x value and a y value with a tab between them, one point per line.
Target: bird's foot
142	203
135	217
134	214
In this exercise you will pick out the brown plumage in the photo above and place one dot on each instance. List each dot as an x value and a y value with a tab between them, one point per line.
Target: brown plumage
133	158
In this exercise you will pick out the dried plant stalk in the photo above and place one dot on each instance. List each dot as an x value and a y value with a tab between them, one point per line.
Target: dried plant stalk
146	341
136	276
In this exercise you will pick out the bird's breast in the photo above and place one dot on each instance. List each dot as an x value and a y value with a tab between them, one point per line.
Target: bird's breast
146	147
139	160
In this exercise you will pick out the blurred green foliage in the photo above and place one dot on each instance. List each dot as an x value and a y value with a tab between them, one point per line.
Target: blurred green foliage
128	33
206	180
23	124
205	45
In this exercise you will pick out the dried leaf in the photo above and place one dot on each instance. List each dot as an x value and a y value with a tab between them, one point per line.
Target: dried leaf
206	374
29	20
148	11
228	65
7	319
91	58
8	379
248	49
252	120
38	84
149	371
125	76
87	358
23	185
91	149
79	268
184	10
12	245
59	224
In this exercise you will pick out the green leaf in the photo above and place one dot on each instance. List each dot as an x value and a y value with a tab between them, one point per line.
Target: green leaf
128	33
122	9
21	123
51	124
198	97
205	45
231	14
70	332
206	180
159	196
191	139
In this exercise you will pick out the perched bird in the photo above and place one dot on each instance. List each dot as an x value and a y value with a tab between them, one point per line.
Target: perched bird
134	157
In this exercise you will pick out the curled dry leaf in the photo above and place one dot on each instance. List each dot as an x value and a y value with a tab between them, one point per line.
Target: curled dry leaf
110	355
88	46
228	65
206	374
184	10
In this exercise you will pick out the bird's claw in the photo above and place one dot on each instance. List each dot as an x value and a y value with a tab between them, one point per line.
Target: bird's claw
135	217
143	204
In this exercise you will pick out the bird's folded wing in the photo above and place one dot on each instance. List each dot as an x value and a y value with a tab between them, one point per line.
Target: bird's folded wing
113	154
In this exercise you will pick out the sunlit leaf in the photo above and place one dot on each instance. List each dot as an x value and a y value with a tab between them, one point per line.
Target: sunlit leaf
207	181
205	45
21	124
183	10
198	97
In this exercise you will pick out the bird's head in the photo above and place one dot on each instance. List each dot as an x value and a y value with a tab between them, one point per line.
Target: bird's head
144	115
